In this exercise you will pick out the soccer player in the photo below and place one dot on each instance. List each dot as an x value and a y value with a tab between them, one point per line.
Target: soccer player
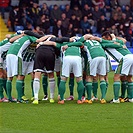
95	79
27	67
14	63
45	58
71	62
4	46
96	65
125	58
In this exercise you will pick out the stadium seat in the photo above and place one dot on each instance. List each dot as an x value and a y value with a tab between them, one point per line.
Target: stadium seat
123	8
51	7
97	34
19	28
128	44
51	29
62	7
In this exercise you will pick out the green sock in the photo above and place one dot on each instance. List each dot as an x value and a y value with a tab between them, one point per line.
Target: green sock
130	90
58	83
19	86
23	88
94	88
45	84
89	89
62	89
116	87
9	89
71	85
1	88
80	88
123	89
103	89
84	82
107	84
32	87
4	85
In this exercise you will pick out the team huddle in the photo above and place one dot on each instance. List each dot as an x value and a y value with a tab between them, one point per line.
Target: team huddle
86	58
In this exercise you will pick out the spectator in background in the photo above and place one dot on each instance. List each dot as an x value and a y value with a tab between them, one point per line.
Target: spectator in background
31	3
29	26
107	9
23	2
131	5
96	13
114	3
67	11
113	30
77	12
44	10
74	3
75	24
70	30
4	6
59	30
124	20
128	12
25	15
65	21
117	11
55	14
121	31
129	34
102	24
14	17
38	30
86	11
34	14
99	3
96	17
88	2
114	20
85	26
44	23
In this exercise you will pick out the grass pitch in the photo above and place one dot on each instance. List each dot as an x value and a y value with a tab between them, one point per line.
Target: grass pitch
67	118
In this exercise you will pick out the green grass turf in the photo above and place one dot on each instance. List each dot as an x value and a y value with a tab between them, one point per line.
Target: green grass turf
67	118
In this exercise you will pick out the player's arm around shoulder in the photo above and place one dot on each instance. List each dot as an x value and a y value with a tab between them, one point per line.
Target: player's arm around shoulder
44	38
15	38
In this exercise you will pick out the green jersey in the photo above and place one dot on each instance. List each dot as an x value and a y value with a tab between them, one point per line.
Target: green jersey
4	46
93	48
116	51
20	45
73	48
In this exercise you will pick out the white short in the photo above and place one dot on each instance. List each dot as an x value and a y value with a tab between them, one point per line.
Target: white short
57	67
27	67
12	65
98	66
72	64
127	65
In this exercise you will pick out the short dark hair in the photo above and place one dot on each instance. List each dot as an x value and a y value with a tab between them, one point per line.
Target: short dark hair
106	34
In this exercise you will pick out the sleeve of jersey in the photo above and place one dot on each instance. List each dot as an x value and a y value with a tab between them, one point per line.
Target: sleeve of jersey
81	39
119	41
77	44
109	44
58	45
30	33
61	40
